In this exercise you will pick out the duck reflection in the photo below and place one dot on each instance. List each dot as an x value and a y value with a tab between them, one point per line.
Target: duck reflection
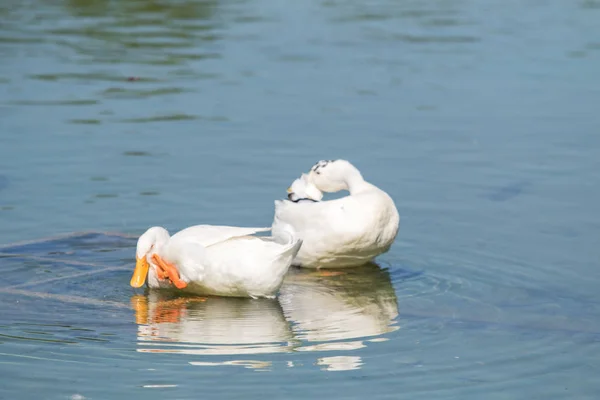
340	363
315	311
334	305
170	323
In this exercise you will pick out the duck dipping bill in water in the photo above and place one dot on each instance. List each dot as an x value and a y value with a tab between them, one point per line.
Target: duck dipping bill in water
345	232
215	260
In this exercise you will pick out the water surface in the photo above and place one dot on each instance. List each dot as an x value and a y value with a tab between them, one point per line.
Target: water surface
478	118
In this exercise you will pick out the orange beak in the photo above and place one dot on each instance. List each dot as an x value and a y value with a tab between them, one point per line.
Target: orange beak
140	272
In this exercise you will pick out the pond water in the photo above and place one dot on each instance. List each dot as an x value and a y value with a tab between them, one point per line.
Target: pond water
479	118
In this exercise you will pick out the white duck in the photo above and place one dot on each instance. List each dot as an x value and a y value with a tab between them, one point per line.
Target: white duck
215	260
344	232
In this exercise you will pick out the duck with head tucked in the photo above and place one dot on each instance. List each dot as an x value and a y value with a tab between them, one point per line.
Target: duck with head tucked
345	232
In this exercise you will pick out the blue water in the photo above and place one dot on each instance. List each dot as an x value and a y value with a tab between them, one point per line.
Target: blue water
479	118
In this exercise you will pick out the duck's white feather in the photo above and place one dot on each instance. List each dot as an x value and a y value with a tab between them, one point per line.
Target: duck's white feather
247	266
344	232
207	235
228	261
303	190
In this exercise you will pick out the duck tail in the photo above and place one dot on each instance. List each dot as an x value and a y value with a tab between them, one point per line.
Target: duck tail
285	234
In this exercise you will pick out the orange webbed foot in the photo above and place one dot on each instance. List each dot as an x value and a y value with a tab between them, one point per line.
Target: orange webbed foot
160	273
169	270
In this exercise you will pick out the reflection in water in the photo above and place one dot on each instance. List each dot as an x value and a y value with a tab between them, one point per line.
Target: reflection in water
356	303
250	364
98	42
137	31
315	311
193	9
214	325
340	363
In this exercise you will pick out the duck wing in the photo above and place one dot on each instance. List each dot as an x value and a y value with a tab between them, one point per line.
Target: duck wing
208	235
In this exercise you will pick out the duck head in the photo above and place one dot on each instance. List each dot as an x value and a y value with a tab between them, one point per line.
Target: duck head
148	244
302	188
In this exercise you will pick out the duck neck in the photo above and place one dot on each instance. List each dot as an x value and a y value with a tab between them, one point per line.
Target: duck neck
355	182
